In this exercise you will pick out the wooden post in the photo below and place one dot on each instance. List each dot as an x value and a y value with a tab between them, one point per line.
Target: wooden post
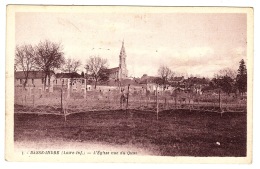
146	100
198	103
219	99
25	98
33	94
108	97
189	102
85	93
22	96
163	92
68	88
140	100
127	98
61	100
175	99
157	107
30	92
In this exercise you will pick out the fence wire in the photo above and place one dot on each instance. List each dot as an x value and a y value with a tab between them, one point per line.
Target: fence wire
66	101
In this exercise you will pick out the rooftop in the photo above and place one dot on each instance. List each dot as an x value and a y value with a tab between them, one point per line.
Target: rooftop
112	70
68	75
31	74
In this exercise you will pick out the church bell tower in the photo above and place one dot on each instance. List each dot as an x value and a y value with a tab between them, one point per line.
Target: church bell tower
122	63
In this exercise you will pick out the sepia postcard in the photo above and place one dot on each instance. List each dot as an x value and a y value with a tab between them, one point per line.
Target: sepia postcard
129	84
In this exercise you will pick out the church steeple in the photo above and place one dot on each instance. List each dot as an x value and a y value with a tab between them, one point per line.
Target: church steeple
122	62
122	52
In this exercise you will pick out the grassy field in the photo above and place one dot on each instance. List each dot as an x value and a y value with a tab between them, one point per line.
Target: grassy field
176	133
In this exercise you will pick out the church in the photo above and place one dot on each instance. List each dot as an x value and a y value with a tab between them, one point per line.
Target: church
119	73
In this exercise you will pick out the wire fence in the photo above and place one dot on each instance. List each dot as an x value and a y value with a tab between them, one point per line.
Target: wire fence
65	101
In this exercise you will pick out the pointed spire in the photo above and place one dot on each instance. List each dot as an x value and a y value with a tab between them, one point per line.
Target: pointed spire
123	44
122	62
122	48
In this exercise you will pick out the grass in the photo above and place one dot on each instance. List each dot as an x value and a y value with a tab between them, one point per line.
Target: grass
99	101
176	133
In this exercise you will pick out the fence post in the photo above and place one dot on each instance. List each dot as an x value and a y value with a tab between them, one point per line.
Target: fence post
22	95
146	99
219	99
140	100
33	94
189	101
163	92
157	107
85	92
198	102
30	92
61	100
68	88
108	94
85	87
25	98
175	99
127	98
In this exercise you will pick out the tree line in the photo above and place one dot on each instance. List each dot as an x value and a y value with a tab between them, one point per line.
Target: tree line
227	80
45	56
48	56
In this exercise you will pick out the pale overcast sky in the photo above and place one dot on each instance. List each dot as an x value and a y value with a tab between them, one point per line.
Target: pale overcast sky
197	44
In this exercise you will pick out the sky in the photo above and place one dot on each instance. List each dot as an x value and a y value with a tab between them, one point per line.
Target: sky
198	44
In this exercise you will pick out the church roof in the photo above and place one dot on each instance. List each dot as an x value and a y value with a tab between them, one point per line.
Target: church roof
112	70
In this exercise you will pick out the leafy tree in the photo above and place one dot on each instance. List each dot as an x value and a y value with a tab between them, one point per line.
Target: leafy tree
241	79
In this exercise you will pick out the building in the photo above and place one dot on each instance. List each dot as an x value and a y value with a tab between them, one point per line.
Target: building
119	72
152	83
177	81
35	80
73	81
149	83
113	73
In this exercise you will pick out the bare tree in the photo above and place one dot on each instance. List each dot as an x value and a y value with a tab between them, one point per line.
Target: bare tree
95	66
71	65
25	60
75	65
165	74
228	72
49	56
67	67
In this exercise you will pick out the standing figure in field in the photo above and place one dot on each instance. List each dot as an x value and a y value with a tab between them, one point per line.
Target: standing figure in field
122	100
